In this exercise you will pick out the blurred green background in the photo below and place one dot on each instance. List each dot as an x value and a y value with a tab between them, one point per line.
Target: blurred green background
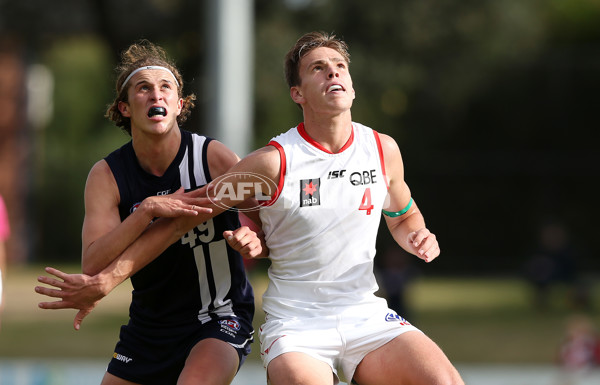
493	104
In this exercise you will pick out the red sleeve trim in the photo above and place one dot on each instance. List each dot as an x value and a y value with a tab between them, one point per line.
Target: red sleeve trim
381	159
281	174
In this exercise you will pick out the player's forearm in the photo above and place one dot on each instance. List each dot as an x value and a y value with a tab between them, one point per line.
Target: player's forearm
140	253
156	239
103	251
401	229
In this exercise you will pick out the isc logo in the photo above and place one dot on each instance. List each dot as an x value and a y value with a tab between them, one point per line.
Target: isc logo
336	174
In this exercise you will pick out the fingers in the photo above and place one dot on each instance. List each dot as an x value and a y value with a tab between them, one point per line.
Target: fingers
199	209
244	240
55	305
170	207
425	244
81	314
50	281
56	273
54	293
237	238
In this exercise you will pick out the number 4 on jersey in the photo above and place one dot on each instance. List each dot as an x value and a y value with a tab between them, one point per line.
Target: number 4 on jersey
366	201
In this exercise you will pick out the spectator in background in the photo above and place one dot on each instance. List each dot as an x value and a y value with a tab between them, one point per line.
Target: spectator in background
579	352
580	345
554	262
4	233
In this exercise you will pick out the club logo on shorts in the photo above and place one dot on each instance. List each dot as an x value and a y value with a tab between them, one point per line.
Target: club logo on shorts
393	317
230	323
310	192
230	327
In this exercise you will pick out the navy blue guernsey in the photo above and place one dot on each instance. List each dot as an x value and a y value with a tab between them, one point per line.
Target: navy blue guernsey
199	277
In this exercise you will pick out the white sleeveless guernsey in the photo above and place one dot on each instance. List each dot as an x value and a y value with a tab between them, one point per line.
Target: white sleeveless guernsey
321	228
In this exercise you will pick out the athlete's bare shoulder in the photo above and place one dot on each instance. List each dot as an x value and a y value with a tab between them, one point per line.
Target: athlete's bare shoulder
220	158
265	161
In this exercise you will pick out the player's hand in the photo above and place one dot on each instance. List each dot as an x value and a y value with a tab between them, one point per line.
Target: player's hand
176	204
249	244
424	244
76	291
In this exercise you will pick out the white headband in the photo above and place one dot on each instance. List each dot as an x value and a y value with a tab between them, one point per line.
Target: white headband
147	68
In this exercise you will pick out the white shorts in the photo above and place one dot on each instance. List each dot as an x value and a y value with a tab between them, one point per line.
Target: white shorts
341	341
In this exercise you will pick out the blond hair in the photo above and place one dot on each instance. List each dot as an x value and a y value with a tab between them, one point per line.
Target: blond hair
140	54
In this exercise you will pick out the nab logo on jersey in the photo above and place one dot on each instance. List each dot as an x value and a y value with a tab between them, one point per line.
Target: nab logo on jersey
310	192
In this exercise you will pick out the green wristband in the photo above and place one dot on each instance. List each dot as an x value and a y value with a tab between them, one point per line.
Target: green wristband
398	213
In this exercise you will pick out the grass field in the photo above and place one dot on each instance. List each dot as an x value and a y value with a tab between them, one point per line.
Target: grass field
475	320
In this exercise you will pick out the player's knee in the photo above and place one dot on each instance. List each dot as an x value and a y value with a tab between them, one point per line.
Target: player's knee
449	376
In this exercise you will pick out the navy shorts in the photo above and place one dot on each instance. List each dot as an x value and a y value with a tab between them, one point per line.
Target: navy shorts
157	355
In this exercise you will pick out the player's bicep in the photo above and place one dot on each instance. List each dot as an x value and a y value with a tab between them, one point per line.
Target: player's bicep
255	176
101	198
220	158
398	191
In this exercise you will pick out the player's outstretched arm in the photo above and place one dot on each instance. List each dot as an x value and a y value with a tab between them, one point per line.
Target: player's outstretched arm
104	235
406	222
83	292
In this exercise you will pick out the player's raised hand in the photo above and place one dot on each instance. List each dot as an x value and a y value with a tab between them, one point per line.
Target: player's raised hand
424	244
76	291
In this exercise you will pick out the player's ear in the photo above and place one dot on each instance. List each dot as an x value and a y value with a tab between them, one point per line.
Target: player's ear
179	106
296	94
124	109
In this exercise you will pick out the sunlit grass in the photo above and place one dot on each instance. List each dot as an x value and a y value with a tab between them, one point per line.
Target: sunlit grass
474	320
464	294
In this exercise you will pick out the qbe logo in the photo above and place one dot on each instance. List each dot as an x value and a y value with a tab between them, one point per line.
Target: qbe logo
235	187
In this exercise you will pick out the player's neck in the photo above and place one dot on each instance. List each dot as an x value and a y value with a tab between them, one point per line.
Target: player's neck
330	132
155	153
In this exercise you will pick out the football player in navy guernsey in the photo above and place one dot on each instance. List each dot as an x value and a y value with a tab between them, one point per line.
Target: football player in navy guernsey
329	181
192	307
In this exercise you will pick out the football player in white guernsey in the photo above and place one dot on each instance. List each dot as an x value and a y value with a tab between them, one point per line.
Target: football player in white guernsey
324	185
